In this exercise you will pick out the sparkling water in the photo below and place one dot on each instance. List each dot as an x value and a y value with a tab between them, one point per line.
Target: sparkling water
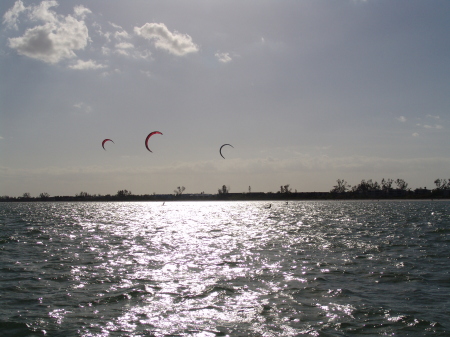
322	268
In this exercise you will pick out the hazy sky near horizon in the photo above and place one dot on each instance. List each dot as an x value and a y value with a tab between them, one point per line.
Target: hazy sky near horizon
307	92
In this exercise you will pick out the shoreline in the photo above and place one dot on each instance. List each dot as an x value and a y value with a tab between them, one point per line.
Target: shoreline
308	196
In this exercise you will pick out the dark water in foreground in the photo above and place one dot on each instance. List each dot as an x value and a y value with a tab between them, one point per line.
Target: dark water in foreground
225	269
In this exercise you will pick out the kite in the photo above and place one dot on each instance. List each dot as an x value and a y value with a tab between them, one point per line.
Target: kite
148	137
220	151
103	143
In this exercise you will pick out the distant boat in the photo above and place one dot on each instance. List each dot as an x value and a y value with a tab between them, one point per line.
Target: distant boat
268	206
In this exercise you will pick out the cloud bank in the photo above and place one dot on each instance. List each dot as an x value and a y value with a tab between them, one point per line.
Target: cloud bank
52	37
56	39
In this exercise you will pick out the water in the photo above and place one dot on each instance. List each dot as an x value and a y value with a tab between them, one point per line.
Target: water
333	268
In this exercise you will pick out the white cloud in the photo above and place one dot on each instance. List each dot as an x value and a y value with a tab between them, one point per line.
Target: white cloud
121	35
223	57
118	42
42	12
115	25
124	45
11	16
106	50
401	119
81	11
415	134
145	54
128	49
174	43
53	41
111	72
122	52
51	37
83	107
434	117
83	65
426	126
124	48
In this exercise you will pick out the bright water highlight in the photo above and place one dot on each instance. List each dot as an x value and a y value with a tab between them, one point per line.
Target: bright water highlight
332	268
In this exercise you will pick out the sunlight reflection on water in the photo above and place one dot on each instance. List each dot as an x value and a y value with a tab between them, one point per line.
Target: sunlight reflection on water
227	268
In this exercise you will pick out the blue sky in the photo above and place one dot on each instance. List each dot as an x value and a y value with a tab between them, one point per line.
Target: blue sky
307	92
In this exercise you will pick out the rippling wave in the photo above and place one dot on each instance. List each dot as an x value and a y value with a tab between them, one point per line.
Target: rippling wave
332	268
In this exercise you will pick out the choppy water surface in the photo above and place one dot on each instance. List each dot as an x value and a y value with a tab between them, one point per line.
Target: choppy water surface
225	269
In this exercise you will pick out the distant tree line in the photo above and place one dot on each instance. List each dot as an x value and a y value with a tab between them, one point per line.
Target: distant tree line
388	188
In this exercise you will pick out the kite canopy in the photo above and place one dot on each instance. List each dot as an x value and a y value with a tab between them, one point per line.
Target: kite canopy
104	141
148	137
220	151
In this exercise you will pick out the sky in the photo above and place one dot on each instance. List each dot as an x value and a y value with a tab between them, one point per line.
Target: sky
306	92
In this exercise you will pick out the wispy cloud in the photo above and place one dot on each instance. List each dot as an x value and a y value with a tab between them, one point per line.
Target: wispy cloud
426	126
81	106
81	11
162	38
401	119
11	17
146	73
84	65
122	34
124	45
124	48
223	57
434	117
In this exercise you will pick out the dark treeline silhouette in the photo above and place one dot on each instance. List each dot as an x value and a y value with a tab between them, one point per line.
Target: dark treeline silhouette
372	189
366	189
